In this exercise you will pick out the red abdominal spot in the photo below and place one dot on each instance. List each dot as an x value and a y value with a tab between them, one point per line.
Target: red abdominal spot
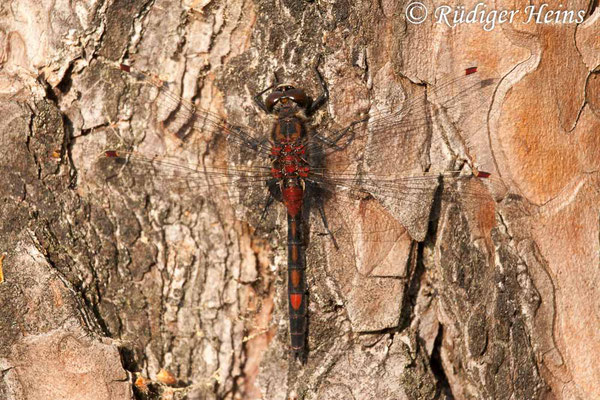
292	198
470	71
296	300
295	278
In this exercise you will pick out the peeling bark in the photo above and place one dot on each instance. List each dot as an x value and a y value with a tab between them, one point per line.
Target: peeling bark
108	282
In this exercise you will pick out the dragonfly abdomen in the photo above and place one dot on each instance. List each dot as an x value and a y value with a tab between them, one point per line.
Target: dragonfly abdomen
296	284
290	168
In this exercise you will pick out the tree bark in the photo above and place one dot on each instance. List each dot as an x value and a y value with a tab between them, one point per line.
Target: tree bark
123	288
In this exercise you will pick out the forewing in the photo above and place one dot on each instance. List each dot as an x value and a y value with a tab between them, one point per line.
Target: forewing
386	153
459	101
184	120
211	159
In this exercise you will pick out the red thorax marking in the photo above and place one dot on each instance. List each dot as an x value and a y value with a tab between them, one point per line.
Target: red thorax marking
289	161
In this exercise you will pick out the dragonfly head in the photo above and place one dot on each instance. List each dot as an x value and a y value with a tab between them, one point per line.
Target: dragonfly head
287	96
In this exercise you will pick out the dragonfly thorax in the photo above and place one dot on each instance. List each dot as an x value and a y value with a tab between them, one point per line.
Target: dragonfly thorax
288	161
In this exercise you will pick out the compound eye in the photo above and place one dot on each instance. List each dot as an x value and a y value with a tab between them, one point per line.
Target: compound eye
273	99
298	96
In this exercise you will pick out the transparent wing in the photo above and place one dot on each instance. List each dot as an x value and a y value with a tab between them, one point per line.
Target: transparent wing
371	164
243	187
456	101
182	118
379	241
385	154
230	162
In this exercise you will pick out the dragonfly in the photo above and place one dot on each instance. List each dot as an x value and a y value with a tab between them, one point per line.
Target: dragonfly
320	172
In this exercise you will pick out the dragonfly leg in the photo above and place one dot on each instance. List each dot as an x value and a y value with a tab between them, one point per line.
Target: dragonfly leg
268	204
258	97
333	141
255	144
324	97
274	189
325	224
274	194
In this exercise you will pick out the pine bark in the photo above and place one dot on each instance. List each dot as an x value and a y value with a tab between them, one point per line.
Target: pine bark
107	283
